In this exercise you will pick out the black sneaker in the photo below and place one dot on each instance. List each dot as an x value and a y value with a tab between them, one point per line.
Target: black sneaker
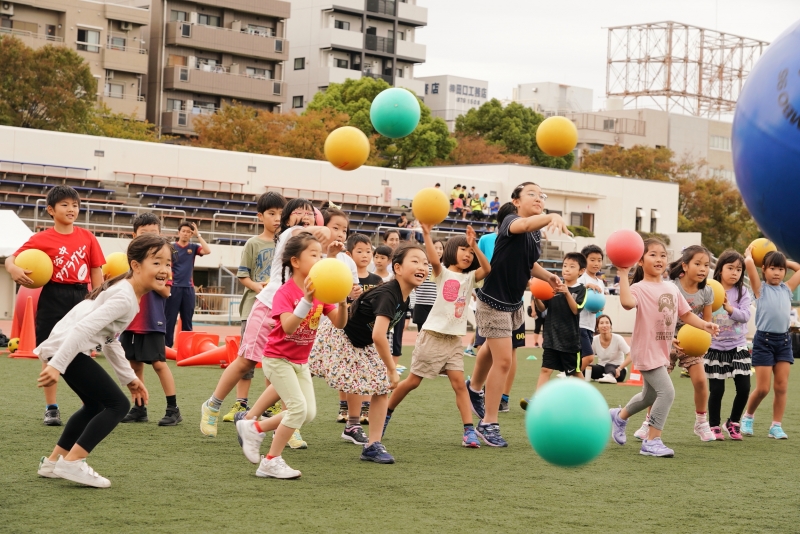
52	417
138	414
503	406
377	453
476	401
364	420
355	434
341	417
172	417
491	434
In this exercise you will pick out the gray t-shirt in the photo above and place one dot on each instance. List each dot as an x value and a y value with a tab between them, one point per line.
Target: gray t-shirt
697	301
773	307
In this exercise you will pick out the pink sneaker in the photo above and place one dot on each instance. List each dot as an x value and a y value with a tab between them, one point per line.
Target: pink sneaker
733	430
717	431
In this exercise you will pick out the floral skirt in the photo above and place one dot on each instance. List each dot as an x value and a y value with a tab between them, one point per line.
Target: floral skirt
354	370
320	352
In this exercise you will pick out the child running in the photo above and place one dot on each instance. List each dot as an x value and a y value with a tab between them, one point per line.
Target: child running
438	348
297	314
729	356
592	282
98	320
772	348
658	306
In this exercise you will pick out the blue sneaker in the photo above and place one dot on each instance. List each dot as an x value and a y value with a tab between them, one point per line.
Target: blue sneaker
775	431
476	400
618	427
377	453
747	426
385	424
238	416
471	438
655	447
491	434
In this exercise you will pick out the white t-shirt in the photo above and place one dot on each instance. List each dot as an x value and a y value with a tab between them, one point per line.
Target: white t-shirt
275	279
453	292
347	260
588	320
614	354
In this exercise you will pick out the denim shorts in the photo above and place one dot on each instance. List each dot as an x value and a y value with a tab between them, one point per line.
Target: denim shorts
770	348
587	336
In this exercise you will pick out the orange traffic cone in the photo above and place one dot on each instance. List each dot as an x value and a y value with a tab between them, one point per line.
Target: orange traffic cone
222	356
171	354
190	344
635	378
27	336
178	330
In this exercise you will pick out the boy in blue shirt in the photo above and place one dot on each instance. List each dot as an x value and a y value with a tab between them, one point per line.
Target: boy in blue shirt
182	298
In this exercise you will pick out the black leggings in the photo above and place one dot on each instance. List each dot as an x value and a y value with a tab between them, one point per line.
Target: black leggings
716	387
104	404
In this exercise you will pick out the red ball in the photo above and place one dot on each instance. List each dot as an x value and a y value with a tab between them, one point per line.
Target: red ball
541	289
624	248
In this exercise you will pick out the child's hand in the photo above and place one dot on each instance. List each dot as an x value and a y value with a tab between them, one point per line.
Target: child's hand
594	288
334	248
727	306
563	289
623	271
711	328
557	224
471	236
48	377
748	253
555	282
356	292
20	275
619	369
394	379
139	393
426	228
309	290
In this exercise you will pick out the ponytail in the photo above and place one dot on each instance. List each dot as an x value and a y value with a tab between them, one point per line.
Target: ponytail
138	250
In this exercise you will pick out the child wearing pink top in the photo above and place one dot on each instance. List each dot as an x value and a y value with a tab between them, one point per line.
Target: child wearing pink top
658	305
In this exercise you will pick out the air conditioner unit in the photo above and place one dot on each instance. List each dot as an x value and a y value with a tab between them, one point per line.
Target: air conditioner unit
6	8
126	26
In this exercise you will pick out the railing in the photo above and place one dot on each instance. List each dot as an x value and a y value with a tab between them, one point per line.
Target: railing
88	47
384	77
379	44
137	98
249	220
387	7
587	121
222	69
217	305
23	33
117	211
331	196
131	49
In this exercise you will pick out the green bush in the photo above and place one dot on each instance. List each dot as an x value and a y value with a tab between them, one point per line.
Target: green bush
580	231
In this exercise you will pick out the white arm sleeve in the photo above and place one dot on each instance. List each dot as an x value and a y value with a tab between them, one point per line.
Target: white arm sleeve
115	355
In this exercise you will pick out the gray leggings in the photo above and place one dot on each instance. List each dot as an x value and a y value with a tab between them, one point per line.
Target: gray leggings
658	392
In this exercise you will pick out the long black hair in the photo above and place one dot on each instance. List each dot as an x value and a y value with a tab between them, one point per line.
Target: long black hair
138	250
293	248
730	256
676	267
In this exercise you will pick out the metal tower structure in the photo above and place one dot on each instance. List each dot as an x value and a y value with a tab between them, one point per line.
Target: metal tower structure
679	67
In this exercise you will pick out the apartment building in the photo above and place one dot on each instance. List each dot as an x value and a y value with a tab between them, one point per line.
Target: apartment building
204	53
450	96
109	36
333	40
549	98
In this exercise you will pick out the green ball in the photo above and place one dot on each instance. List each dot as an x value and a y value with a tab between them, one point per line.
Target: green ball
568	422
394	112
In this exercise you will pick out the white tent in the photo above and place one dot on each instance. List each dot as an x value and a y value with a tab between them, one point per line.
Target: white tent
13	233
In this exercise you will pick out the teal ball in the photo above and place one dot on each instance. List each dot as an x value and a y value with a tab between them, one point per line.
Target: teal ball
395	113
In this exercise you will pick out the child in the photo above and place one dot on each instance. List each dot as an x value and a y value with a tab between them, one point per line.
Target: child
144	339
613	354
77	261
426	293
729	356
500	306
297	314
562	336
361	362
539	320
438	347
592	282
255	267
772	348
297	216
181	300
97	320
381	260
658	306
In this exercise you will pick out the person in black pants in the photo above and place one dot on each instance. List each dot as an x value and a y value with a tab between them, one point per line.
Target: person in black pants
182	298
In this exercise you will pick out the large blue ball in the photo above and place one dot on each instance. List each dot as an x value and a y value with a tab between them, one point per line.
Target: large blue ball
594	301
395	112
568	423
766	141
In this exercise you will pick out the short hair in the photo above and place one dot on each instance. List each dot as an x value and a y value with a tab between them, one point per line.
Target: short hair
592	249
387	233
355	239
457	186
577	257
61	192
270	201
774	259
450	255
383	250
186	224
505	210
329	213
145	219
437	184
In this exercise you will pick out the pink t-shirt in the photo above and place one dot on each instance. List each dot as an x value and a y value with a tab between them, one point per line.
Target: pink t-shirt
295	347
658	306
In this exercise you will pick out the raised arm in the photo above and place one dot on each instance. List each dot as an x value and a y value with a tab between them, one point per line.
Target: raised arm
552	221
794	281
430	250
752	272
485	268
205	249
626	298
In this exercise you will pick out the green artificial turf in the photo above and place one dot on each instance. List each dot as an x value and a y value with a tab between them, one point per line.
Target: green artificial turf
173	479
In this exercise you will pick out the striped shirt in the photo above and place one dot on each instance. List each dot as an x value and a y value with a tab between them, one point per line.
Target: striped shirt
426	293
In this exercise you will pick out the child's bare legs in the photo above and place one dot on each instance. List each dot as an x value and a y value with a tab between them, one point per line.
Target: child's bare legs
280	438
164	375
353	404
377	415
586	361
243	388
544	377
138	369
781	371
763	384
232	375
264	401
501	352
462	397
700	384
405	387
49	391
76	453
512	373
483	363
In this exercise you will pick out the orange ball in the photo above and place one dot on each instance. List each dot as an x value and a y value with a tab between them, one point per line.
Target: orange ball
719	294
693	341
347	148
557	136
430	206
332	279
541	289
761	247
39	263
116	264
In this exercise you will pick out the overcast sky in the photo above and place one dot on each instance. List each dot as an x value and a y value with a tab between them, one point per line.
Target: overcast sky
509	42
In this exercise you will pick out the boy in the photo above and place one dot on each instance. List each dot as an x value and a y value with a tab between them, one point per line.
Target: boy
182	298
562	330
592	282
360	249
77	261
144	339
381	259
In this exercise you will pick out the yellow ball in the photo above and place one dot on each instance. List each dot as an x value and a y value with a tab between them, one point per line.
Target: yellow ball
13	344
116	264
332	280
39	263
694	342
430	206
347	148
719	294
557	136
761	247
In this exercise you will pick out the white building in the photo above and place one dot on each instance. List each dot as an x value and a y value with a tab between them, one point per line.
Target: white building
451	96
336	40
550	98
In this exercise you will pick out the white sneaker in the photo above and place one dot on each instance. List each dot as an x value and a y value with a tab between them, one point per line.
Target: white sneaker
643	431
251	439
80	472
607	379
46	468
704	431
561	375
276	468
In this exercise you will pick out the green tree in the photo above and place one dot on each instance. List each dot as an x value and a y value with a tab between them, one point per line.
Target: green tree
105	123
514	127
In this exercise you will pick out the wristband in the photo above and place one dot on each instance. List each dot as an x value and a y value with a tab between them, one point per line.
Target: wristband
199	235
302	309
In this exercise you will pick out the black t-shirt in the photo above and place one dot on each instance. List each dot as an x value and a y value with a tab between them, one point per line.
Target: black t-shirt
370	282
513	259
386	300
562	330
402	223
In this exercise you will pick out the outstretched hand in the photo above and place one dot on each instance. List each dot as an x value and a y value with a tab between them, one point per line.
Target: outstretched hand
471	236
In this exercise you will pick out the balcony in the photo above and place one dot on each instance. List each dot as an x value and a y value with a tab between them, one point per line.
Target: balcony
127	105
240	43
225	82
377	76
412	14
384	45
136	15
413	52
348	6
336	38
382	7
329	75
268	8
177	123
33	40
125	59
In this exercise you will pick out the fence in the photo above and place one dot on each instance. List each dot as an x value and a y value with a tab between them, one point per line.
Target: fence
214	306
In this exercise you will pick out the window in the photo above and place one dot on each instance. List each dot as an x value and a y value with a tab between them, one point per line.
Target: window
200	107
174	104
401	36
186	30
264	74
341	25
390	34
259	30
399	73
638	226
5	22
608	124
582	219
178	15
182	119
278	45
88	39
209	20
206	64
176	61
342	64
297	101
116	43
184	74
299	63
718	142
723	173
277	88
115	90
654	216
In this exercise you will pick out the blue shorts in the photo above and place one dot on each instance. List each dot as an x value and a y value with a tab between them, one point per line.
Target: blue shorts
769	349
587	336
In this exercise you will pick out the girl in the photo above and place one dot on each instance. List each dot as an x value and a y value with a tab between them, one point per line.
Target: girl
729	356
98	321
297	216
297	315
612	353
772	348
658	305
426	293
360	358
500	301
438	348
